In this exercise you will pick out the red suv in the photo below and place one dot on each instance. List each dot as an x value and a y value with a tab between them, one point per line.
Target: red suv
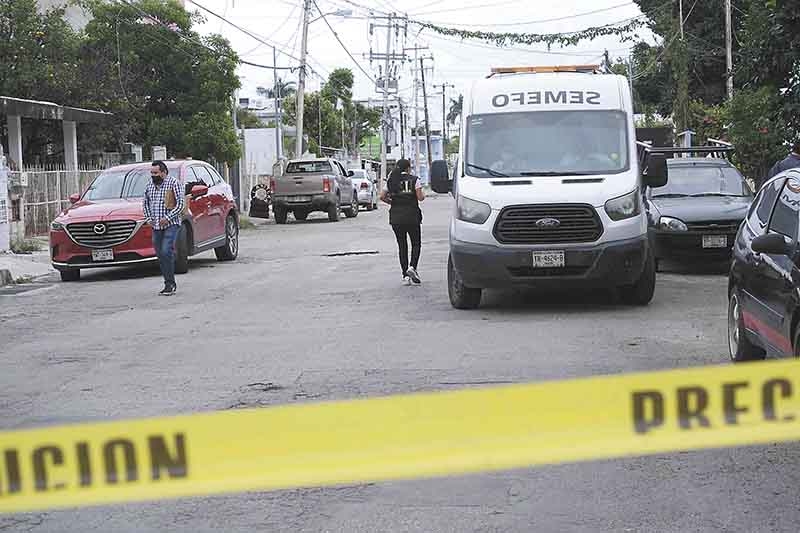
106	226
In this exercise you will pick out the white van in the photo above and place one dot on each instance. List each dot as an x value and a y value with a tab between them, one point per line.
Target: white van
548	187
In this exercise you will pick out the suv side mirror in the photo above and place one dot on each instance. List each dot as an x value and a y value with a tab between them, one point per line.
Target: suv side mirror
440	177
199	190
74	198
771	243
656	173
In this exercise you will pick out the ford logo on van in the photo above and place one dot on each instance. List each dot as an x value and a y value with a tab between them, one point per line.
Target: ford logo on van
548	223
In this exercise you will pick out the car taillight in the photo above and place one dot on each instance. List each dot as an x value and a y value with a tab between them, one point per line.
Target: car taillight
326	184
364	185
272	184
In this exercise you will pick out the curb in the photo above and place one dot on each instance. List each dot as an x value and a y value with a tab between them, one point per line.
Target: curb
5	277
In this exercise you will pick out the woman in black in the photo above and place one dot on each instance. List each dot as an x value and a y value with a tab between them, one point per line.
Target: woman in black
403	193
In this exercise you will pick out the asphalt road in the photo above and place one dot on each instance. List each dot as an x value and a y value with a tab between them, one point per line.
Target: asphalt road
308	326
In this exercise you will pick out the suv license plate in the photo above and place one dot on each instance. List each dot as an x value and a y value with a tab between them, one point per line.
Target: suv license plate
715	241
548	259
102	255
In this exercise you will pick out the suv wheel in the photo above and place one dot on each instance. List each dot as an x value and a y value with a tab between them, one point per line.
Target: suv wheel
739	346
641	292
352	211
230	250
280	215
333	212
182	251
73	274
461	297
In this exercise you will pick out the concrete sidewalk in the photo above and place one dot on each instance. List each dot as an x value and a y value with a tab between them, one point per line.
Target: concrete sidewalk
14	267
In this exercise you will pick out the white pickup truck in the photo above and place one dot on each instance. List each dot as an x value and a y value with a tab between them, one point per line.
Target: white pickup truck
310	185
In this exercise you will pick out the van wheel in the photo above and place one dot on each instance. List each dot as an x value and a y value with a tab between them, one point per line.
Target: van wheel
461	297
333	212
280	215
641	292
230	250
739	346
182	251
73	274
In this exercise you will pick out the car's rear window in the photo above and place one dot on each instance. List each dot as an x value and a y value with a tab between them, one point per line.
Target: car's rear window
300	167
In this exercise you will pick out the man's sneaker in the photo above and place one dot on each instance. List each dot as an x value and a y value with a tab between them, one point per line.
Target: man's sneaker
169	290
406	280
412	273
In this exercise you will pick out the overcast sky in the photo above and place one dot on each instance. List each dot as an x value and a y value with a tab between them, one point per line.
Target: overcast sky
455	62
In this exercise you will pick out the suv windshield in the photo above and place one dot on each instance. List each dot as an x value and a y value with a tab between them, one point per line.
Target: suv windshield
547	143
703	180
114	184
300	167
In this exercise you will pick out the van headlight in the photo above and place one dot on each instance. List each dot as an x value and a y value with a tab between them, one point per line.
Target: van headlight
472	211
623	207
671	224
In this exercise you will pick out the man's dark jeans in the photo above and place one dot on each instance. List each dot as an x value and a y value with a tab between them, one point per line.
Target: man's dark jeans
164	243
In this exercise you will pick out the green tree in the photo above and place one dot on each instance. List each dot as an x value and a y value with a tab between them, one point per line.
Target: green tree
247	119
165	83
456	107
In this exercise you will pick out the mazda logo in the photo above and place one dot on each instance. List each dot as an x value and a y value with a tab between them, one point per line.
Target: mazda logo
548	223
99	229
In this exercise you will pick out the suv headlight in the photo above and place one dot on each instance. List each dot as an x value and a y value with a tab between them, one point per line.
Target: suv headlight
472	211
671	224
623	207
57	226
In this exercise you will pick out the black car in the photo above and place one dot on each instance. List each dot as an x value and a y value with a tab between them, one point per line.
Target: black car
696	215
764	282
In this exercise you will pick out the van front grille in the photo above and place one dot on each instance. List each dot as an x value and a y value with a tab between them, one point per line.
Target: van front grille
548	224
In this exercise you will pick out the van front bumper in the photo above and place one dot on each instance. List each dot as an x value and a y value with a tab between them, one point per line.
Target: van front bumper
608	265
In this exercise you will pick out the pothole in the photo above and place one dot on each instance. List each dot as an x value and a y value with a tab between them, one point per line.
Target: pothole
357	252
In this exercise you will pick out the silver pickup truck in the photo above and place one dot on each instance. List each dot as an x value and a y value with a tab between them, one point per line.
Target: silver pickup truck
310	185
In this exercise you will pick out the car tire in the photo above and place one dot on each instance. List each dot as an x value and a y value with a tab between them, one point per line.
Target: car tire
182	251
739	346
461	297
280	215
230	250
72	274
333	212
352	211
300	214
641	292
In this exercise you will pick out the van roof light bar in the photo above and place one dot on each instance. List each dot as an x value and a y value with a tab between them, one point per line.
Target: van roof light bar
592	69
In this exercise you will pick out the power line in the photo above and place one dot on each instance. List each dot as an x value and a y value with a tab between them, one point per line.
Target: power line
543	21
464	8
325	19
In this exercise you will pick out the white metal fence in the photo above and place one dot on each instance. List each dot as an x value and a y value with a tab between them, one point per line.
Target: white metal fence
45	193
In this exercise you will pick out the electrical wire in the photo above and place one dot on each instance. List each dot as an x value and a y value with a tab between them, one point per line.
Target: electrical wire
325	19
544	21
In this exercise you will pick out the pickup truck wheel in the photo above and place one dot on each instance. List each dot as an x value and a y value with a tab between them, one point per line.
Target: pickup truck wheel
230	250
352	211
72	274
333	212
461	297
280	215
182	251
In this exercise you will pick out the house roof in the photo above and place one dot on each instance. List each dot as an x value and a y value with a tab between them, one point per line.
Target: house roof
48	110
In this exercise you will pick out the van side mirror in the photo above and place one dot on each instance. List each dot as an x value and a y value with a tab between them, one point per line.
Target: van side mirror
772	244
440	177
655	175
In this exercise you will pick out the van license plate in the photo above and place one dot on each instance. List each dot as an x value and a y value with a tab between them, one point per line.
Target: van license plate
715	241
548	259
102	255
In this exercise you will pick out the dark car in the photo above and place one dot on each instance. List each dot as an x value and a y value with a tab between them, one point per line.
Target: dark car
764	281
696	215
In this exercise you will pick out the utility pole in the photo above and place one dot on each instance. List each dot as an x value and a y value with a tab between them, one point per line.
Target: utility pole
444	87
278	113
630	80
728	48
301	85
402	130
427	120
384	124
416	106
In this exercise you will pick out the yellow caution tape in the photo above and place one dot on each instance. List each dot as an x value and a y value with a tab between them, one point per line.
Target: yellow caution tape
398	437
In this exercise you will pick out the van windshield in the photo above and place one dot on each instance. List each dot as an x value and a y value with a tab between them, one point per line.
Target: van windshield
547	143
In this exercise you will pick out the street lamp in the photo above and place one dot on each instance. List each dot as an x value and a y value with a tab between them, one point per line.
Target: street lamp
301	85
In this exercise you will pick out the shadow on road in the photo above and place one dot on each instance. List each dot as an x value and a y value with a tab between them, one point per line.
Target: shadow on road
694	267
549	301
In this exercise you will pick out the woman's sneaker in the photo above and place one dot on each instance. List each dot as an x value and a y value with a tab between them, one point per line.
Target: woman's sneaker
412	273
